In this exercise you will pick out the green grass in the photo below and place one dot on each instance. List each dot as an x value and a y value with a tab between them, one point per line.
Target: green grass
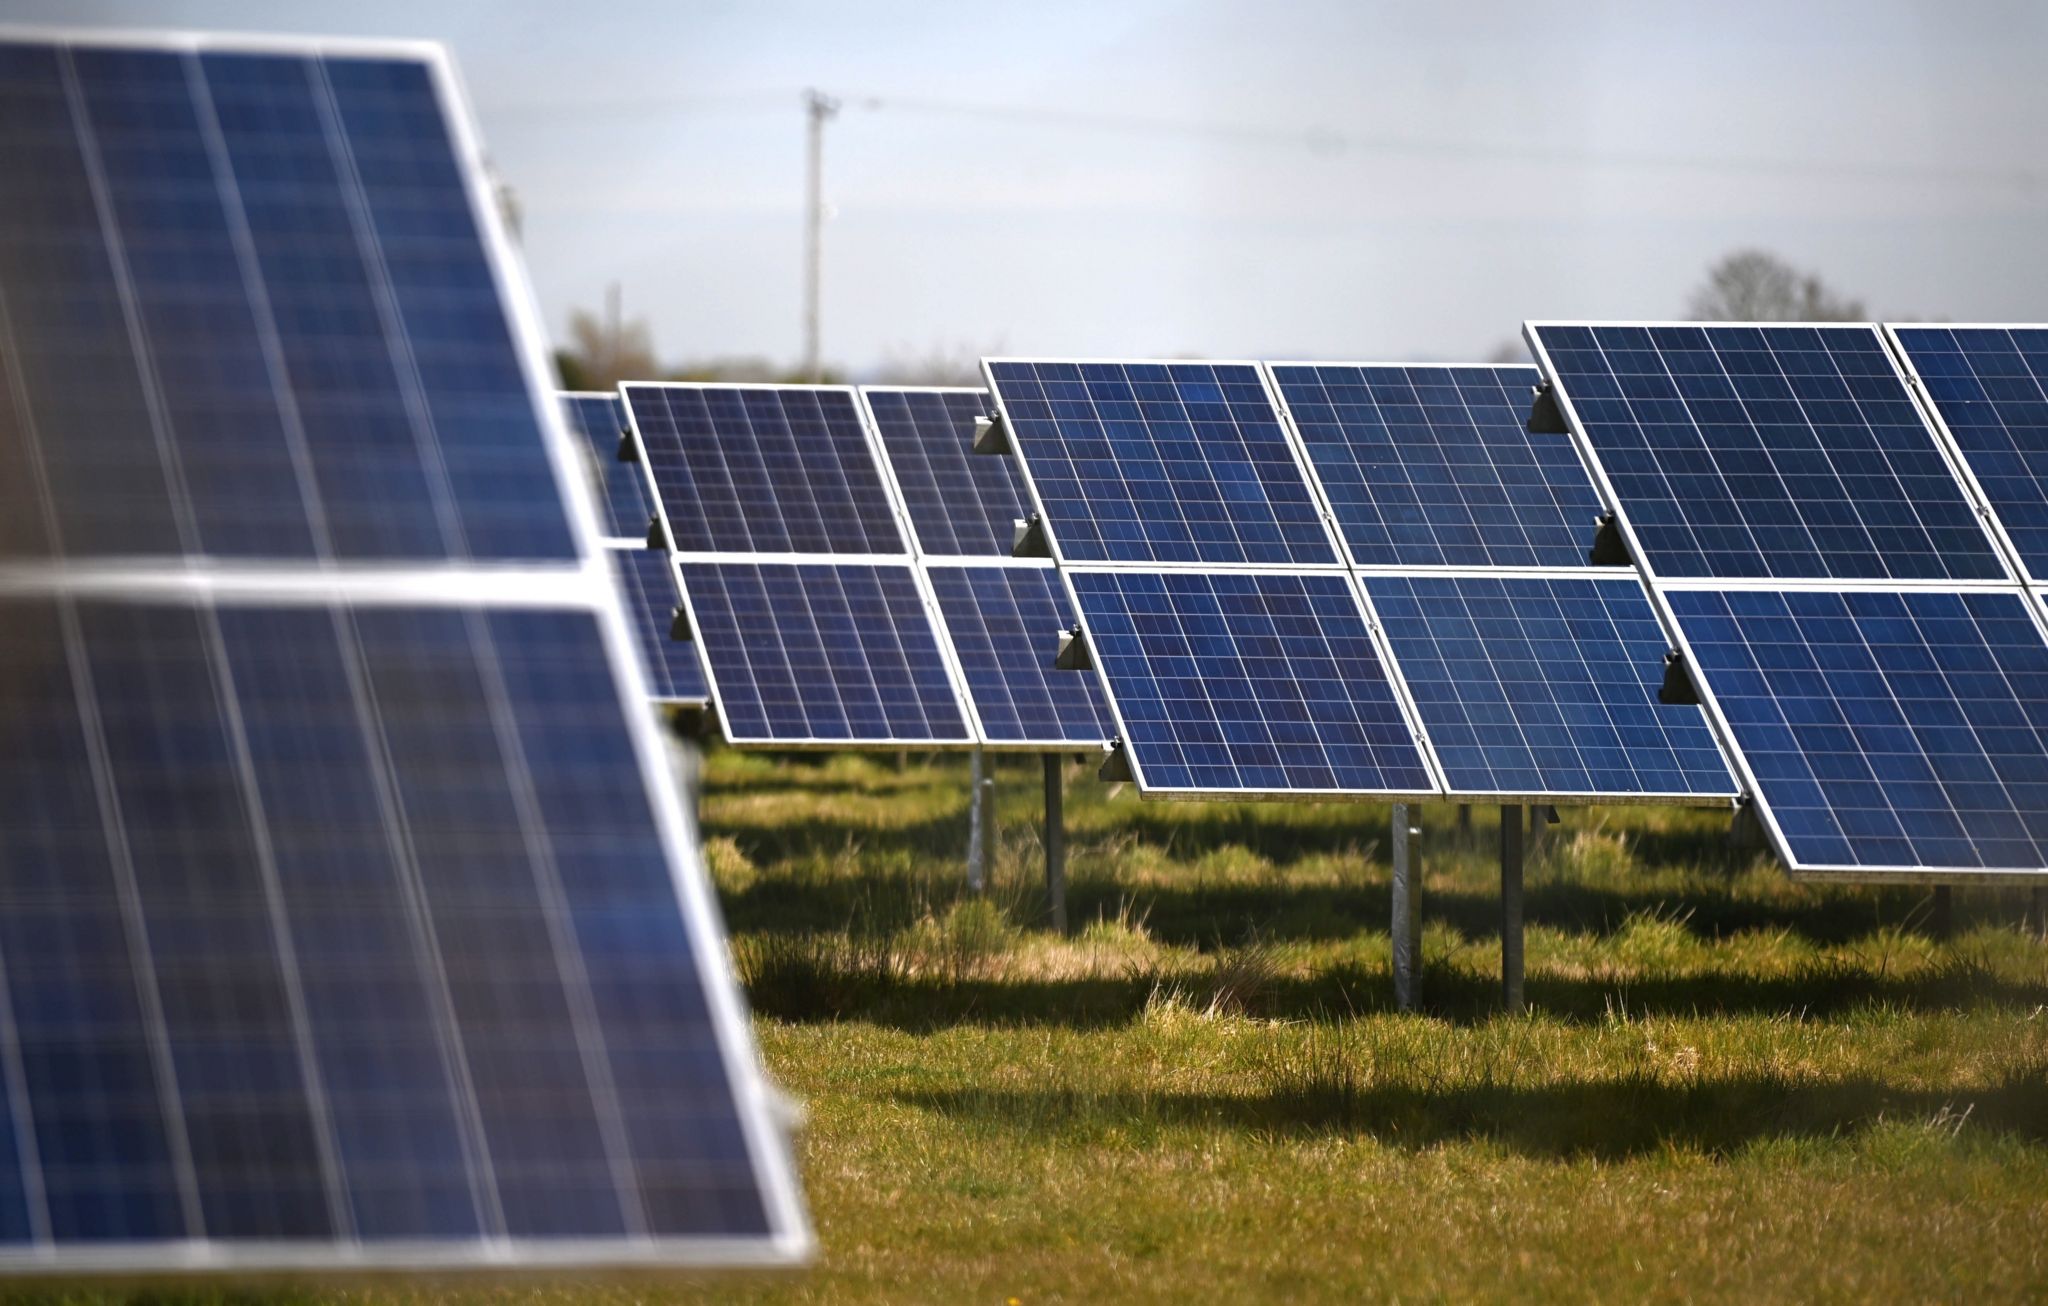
1728	1086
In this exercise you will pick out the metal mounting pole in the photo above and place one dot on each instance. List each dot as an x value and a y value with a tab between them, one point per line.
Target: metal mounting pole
1511	909
1055	844
1942	923
980	819
1406	913
1465	823
2038	914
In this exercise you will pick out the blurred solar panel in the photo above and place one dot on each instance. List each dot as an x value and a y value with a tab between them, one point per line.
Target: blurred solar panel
1886	732
1247	682
1765	451
819	653
625	504
1546	686
1160	462
165	210
1989	389
344	920
647	588
1435	466
960	505
1004	623
764	469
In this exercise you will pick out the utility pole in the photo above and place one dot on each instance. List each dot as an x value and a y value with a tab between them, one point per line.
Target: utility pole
819	108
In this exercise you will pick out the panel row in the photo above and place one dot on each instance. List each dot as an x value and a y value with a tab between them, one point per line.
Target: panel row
351	925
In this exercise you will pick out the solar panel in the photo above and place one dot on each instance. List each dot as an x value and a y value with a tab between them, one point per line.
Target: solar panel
1433	466
1159	462
625	504
959	505
1900	732
348	916
1988	386
1247	682
167	213
1004	623
646	583
1780	452
763	469
822	653
1545	687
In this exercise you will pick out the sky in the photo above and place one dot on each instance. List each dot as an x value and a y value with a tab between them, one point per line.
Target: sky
1317	180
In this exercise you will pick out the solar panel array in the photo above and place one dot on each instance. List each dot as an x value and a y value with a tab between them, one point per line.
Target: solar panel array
1847	616
798	579
1222	680
347	916
1001	615
645	579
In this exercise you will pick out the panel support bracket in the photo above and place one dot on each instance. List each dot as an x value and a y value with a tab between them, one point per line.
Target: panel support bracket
1677	689
1545	417
1609	549
991	435
1027	538
1074	653
1116	768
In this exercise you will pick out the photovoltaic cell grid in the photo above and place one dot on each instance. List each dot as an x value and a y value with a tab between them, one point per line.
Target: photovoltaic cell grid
625	504
1767	452
822	653
1434	466
1545	686
340	927
1004	623
764	469
250	313
1987	387
1160	462
960	504
647	587
1885	730
1248	682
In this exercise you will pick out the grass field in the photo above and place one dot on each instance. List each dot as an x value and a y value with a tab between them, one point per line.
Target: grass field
1728	1086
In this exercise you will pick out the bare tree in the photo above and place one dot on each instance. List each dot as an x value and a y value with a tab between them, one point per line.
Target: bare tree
1509	351
1752	285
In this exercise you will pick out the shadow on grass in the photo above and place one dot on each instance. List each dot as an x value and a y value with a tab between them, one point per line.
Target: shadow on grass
1607	1119
796	984
1200	915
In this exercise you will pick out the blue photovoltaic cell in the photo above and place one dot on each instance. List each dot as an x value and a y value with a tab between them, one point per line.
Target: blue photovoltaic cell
1248	682
1988	385
251	312
1160	462
822	653
1005	624
764	469
647	586
1435	466
345	926
1545	686
961	503
1884	730
624	504
390	951
1781	452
